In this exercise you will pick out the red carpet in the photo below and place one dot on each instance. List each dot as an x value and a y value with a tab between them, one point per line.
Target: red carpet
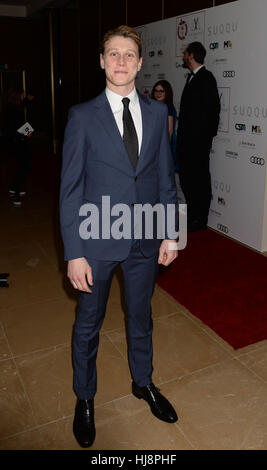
222	283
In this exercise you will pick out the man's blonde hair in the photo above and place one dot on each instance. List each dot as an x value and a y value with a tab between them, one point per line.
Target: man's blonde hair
124	31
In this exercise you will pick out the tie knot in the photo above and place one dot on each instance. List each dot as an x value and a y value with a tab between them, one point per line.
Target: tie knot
126	102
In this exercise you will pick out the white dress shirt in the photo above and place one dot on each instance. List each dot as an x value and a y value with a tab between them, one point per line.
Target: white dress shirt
116	105
196	70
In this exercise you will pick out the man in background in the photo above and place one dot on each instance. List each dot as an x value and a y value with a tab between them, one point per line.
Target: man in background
197	125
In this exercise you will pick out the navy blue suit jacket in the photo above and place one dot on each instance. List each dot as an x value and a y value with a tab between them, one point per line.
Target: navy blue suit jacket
96	163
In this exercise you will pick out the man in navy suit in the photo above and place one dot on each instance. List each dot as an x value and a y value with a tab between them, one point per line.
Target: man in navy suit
197	125
116	150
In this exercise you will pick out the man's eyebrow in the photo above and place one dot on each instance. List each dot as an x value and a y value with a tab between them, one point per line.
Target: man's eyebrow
117	49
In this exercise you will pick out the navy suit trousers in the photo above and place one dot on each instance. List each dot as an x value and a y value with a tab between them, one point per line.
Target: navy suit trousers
139	277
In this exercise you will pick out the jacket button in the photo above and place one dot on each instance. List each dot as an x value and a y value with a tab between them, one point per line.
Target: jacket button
135	179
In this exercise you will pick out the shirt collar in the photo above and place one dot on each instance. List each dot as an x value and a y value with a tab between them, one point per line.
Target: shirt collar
115	99
196	70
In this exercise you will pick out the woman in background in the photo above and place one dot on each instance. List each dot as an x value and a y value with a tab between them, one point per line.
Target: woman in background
162	91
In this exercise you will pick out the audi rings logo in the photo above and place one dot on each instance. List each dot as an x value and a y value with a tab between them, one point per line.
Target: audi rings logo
228	73
257	160
222	228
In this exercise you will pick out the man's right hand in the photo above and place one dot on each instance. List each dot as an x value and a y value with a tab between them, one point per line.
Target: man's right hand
78	271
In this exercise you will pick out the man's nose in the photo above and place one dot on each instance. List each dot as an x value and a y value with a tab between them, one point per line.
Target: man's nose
121	59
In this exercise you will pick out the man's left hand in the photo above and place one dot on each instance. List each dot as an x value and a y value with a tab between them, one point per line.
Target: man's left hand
167	252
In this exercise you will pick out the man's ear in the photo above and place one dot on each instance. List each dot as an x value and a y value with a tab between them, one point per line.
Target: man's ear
102	62
140	64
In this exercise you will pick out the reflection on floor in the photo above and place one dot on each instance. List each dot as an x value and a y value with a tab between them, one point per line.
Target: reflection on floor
220	394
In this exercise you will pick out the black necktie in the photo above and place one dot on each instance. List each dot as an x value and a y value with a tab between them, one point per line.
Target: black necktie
129	133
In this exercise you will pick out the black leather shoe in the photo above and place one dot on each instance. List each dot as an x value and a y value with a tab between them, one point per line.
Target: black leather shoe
84	424
159	405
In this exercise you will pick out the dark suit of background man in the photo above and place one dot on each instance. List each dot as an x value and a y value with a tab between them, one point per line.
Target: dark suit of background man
109	151
197	125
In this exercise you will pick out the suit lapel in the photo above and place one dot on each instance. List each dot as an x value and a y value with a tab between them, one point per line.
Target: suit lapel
147	128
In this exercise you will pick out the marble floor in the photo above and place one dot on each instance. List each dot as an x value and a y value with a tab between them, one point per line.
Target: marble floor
219	393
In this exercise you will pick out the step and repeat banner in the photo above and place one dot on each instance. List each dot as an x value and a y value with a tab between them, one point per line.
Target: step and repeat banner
235	37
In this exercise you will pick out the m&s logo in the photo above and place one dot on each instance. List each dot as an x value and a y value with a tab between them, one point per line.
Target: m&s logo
256	130
227	44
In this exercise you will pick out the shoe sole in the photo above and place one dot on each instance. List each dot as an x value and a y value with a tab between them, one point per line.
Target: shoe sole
82	444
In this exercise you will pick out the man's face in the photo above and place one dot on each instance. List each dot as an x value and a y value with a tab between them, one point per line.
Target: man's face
186	60
121	63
